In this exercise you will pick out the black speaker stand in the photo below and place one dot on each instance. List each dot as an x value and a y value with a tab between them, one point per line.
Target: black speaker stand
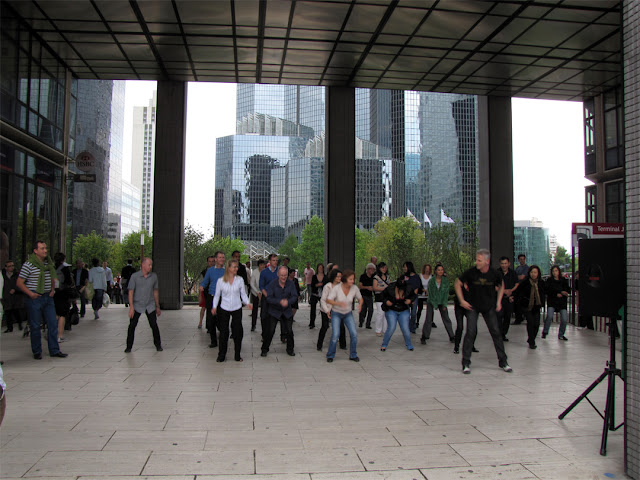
610	373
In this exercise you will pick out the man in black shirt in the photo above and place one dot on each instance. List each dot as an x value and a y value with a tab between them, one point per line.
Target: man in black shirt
242	270
125	275
510	280
366	290
483	282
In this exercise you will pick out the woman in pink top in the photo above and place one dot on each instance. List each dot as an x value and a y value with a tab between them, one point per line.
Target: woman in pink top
341	299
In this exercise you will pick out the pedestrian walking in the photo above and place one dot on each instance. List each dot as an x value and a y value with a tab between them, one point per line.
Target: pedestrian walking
98	278
557	292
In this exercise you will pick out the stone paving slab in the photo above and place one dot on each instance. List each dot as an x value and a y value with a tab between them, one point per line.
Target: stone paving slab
101	414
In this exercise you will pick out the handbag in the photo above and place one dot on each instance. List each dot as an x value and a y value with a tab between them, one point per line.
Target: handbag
106	300
89	292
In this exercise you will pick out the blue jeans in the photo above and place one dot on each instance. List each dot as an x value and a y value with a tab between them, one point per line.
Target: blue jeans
393	318
37	310
414	317
349	322
564	318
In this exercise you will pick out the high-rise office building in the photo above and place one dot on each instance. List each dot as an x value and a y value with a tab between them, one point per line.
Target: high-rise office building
142	158
88	205
116	147
532	239
414	150
130	208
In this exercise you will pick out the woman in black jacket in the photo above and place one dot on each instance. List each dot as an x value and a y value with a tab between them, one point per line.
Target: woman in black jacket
531	300
397	299
557	290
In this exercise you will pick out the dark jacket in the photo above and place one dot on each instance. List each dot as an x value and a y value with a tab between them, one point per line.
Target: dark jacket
15	300
84	277
397	304
275	293
524	291
553	288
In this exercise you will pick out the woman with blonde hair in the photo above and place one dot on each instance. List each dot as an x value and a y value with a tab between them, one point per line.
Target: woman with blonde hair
232	295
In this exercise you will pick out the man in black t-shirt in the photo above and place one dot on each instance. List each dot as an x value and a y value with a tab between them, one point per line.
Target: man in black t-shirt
366	290
510	280
483	282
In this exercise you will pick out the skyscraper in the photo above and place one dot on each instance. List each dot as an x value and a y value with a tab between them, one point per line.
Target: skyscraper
116	145
142	158
414	150
88	205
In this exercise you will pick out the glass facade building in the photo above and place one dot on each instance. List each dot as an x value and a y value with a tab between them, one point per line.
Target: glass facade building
32	101
532	239
415	152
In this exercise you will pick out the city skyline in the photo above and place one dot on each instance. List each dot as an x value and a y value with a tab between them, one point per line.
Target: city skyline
546	152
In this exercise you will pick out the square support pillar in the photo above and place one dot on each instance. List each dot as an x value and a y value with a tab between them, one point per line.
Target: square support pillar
340	176
631	327
168	199
495	177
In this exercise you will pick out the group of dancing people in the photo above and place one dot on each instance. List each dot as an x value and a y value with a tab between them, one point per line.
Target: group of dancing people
481	290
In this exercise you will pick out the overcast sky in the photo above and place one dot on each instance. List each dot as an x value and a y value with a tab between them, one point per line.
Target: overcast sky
548	154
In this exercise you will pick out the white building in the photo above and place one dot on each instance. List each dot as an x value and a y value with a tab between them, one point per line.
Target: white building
142	158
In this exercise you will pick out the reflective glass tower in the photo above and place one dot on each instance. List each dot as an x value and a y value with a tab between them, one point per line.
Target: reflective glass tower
416	152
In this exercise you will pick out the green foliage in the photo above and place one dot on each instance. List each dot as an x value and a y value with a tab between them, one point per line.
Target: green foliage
91	246
311	249
288	249
563	258
444	246
196	251
129	248
365	246
398	240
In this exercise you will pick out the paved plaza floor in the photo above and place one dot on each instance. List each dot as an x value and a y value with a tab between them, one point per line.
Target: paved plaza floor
396	415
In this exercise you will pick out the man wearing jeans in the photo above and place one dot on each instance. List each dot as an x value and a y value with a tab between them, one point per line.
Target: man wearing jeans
143	297
483	282
36	281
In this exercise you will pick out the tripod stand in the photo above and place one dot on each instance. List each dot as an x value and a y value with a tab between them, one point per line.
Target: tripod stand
610	373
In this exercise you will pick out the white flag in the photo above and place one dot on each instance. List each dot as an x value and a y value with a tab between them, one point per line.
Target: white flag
444	218
412	216
426	219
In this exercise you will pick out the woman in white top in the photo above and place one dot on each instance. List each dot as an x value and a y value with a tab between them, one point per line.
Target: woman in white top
341	300
425	276
335	278
381	282
231	294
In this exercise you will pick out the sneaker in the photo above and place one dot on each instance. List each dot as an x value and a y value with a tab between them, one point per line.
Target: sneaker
61	339
456	350
544	335
466	370
507	368
562	337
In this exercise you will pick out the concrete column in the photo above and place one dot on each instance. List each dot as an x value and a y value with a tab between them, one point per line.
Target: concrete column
168	200
631	70
340	176
495	176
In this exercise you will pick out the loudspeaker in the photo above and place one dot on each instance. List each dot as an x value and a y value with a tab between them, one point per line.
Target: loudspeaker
602	281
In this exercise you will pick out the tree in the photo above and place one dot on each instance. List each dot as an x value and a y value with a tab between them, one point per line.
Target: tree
288	249
129	248
91	246
311	249
364	248
562	258
443	245
397	240
194	257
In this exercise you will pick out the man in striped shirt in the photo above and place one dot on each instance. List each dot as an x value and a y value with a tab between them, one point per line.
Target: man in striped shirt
36	280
